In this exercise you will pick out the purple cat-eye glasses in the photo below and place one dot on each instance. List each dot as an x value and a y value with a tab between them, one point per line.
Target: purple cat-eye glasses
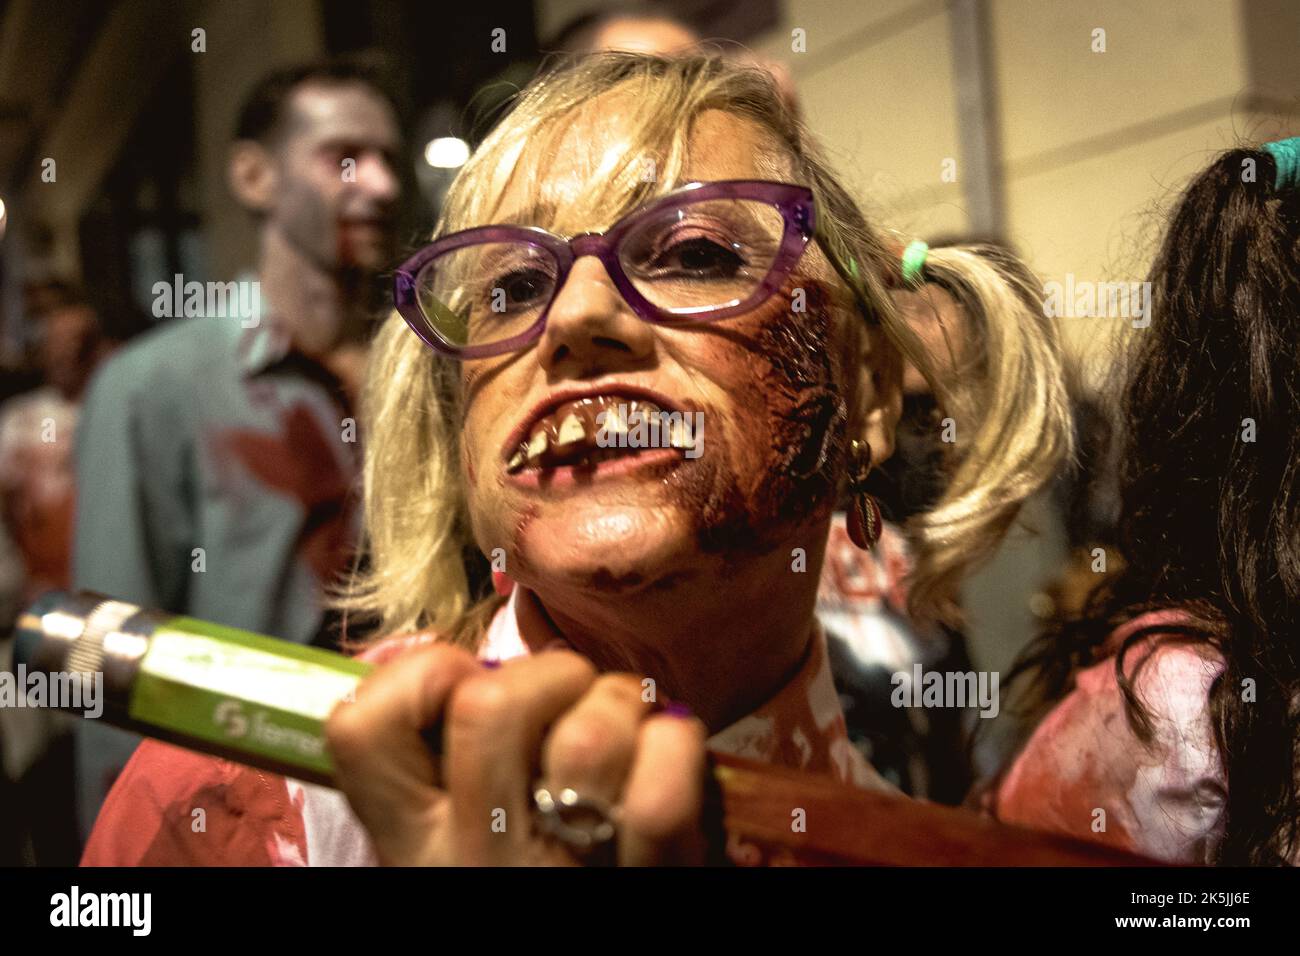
702	253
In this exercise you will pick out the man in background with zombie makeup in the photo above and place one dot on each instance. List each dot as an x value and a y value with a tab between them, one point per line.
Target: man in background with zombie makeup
218	456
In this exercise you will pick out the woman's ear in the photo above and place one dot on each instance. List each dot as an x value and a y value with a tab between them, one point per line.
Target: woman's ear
880	394
252	175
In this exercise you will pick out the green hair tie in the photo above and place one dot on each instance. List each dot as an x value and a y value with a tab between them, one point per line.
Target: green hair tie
1286	157
914	261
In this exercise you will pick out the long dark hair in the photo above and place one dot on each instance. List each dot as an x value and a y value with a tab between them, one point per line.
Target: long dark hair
1210	487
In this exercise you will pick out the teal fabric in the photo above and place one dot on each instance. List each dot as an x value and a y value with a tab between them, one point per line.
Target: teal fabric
1286	156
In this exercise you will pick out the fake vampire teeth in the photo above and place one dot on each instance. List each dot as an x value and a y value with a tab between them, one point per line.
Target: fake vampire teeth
596	428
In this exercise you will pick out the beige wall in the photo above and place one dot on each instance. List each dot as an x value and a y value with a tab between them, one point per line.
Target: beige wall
1092	143
876	86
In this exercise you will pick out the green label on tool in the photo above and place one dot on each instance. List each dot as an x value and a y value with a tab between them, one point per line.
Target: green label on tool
242	690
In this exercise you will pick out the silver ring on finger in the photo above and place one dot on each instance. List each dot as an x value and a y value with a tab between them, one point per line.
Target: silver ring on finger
586	826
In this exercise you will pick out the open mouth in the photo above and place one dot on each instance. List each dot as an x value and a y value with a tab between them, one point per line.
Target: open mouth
587	430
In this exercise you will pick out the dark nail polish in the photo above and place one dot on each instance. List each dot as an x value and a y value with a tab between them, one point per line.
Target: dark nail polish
674	709
490	663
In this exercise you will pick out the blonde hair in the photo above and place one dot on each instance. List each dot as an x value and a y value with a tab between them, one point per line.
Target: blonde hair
1009	403
417	528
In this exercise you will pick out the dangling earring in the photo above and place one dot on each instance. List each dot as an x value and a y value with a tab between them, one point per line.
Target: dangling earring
864	520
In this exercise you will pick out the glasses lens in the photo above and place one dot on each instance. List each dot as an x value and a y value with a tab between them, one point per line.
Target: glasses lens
485	293
703	256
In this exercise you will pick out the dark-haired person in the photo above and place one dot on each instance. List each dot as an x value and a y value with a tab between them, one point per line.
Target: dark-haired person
1174	704
218	454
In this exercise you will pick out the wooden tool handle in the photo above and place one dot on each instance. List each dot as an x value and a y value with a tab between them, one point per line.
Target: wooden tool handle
843	825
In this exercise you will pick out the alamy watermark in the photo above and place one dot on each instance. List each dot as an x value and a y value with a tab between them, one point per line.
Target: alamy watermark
1084	299
959	689
60	690
224	300
620	427
75	908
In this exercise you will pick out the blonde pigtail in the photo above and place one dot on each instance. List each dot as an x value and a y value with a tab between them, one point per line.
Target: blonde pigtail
1008	413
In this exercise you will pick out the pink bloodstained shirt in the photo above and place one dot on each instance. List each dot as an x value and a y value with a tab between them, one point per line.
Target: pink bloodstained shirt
1085	773
256	818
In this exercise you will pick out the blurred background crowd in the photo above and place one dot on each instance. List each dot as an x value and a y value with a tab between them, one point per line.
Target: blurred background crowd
146	142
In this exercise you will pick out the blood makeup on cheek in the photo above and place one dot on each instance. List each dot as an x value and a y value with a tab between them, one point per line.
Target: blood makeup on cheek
805	400
793	397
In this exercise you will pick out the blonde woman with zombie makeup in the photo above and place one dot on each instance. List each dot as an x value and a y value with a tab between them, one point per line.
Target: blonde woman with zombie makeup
741	284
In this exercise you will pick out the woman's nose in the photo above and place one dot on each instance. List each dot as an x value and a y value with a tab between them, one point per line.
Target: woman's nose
590	328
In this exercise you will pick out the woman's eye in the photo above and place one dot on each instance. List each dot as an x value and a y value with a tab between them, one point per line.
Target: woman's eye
522	287
699	257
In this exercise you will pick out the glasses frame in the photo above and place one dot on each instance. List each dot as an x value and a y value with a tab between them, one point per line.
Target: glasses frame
795	203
